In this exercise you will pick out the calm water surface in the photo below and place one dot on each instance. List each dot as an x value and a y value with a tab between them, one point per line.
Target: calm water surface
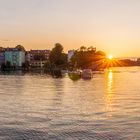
39	107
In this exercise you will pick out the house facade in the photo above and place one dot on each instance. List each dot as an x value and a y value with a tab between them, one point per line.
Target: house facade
2	57
38	64
70	54
15	56
44	53
37	58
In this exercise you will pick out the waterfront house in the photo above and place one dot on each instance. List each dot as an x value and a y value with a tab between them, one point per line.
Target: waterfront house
37	63
43	54
27	56
15	56
37	58
2	56
70	54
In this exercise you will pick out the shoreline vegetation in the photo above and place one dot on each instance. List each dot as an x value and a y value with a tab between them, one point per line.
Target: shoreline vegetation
82	58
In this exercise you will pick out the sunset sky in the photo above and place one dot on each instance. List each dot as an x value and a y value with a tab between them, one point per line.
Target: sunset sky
111	25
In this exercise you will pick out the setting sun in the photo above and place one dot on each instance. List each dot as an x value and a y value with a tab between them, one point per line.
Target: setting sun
110	57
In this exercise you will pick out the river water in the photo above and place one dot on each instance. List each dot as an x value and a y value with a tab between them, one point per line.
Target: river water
39	107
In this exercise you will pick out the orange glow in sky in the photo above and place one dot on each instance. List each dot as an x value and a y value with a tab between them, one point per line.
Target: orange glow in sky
110	25
110	57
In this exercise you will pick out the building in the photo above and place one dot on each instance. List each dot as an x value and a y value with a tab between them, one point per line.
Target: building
15	56
38	64
27	56
2	56
37	58
70	54
44	53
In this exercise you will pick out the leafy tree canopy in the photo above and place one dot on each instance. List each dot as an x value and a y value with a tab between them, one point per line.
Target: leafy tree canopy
20	47
57	56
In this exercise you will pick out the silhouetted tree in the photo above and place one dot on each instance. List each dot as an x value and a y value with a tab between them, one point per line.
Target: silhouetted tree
20	47
47	65
57	56
92	49
8	64
3	66
138	59
83	48
87	57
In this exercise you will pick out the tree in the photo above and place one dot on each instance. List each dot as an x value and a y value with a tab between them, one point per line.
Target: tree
47	65
100	53
92	49
138	60
8	64
87	58
83	48
3	66
20	47
57	56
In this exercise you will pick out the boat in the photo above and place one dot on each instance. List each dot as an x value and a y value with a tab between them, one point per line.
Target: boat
87	74
74	75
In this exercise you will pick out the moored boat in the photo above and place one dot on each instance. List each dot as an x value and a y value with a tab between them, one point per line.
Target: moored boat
87	74
74	75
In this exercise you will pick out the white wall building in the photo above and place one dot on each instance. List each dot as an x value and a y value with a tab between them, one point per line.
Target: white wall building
70	54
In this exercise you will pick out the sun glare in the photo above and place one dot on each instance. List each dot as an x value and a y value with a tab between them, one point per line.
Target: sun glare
110	57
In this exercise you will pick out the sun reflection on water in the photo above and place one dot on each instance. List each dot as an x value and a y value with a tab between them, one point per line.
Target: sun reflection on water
110	81
109	93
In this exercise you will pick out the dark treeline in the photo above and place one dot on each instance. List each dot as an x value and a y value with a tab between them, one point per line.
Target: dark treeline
83	58
57	58
128	62
88	58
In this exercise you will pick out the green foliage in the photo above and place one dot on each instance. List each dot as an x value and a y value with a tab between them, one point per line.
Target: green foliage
47	65
87	57
20	47
57	57
8	64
